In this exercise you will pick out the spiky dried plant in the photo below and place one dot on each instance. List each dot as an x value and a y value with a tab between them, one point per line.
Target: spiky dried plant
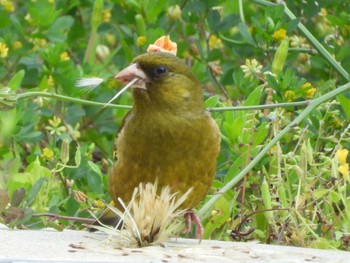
150	218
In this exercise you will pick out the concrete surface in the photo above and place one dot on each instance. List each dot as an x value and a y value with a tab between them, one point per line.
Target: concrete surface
80	246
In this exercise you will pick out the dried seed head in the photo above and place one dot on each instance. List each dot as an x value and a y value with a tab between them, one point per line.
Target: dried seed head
150	218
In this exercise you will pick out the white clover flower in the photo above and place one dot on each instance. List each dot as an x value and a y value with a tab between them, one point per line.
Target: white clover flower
251	68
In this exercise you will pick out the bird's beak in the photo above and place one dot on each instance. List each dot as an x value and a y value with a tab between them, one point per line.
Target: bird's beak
130	73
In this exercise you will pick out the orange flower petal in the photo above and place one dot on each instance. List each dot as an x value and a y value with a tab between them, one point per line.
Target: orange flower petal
163	44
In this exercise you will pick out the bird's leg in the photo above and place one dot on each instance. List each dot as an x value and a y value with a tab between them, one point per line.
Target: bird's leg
188	222
190	217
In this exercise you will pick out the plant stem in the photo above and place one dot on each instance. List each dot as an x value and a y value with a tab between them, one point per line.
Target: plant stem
241	12
203	212
68	99
94	103
259	107
70	218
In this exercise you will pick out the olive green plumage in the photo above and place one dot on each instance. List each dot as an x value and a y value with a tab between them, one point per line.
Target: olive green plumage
167	135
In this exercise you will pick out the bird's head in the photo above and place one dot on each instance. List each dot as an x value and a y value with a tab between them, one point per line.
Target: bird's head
164	83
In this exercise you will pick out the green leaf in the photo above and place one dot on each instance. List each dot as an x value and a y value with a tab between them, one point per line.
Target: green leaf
321	243
213	19
77	156
95	183
95	168
4	199
4	19
95	179
16	80
126	47
8	123
27	214
57	31
244	30
19	180
18	197
43	13
233	126
293	24
153	10
236	167
261	133
12	214
345	102
254	97
334	197
320	193
212	101
273	83
35	190
222	206
17	24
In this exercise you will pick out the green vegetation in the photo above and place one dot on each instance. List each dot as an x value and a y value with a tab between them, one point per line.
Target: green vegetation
283	173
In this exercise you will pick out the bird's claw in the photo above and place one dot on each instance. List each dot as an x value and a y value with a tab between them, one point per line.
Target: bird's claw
190	217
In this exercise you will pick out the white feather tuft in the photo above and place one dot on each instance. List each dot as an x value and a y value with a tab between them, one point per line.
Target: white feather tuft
88	83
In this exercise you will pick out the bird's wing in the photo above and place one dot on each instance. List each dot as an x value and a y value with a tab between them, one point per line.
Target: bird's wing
125	119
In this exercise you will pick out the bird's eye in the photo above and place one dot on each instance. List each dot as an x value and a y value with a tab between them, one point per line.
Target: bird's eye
160	70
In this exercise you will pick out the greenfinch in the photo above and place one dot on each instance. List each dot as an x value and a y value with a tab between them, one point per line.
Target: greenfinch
168	136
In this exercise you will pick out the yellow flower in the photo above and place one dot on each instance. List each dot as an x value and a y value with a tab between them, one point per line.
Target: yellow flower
280	34
55	127
141	40
3	50
341	155
74	131
8	6
336	123
99	204
110	38
185	54
39	43
64	56
106	15
323	12
215	42
174	12
343	166
344	169
289	95
306	85
345	30
113	83
309	90
50	81
47	154
51	1
310	93
17	45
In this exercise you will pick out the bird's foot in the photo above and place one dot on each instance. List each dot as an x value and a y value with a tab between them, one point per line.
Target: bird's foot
190	217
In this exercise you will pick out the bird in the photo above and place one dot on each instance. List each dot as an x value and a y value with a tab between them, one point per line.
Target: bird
168	136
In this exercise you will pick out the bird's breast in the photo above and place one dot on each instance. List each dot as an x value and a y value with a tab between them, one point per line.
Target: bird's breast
177	151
